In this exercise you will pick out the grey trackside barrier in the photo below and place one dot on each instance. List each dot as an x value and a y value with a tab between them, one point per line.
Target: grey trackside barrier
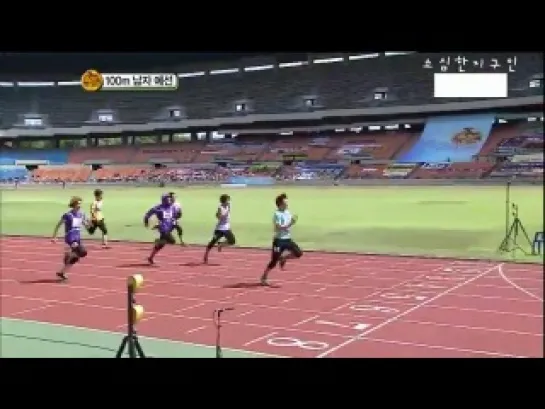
437	182
410	182
302	183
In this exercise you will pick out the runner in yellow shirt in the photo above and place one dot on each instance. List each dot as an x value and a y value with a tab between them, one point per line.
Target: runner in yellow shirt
97	218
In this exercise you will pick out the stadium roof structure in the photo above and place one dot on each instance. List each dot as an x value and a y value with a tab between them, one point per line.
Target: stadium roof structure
35	63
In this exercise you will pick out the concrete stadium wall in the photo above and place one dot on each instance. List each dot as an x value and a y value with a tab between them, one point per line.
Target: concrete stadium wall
416	182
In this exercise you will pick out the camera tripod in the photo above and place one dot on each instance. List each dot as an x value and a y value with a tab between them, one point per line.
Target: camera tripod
510	243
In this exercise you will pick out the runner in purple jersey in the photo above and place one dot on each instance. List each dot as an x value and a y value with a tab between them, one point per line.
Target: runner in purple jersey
177	216
73	221
166	217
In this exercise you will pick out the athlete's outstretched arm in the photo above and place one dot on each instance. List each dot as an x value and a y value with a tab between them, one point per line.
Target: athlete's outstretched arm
277	223
86	221
149	214
293	220
63	218
57	227
93	210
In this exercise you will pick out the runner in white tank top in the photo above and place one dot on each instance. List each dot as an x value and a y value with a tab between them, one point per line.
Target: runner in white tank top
223	227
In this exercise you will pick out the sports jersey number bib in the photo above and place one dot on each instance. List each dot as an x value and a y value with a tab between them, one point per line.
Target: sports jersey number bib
76	222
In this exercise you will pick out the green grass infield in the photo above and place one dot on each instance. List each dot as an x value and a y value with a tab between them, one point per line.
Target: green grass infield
465	222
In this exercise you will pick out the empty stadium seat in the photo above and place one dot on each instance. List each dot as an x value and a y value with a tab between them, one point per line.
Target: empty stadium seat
113	154
121	172
13	172
51	156
176	152
498	134
66	173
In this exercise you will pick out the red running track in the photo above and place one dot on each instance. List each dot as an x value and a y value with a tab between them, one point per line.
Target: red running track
324	305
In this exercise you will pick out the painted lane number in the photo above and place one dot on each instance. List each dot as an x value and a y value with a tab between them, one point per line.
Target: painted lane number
354	326
375	308
445	278
425	286
297	343
394	296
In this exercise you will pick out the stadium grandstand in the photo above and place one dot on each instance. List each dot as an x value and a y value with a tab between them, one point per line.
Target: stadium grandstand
267	115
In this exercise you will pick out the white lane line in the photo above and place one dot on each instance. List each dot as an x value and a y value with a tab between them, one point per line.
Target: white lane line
406	312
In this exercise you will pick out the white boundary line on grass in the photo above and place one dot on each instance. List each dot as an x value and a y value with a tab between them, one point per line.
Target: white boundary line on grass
170	341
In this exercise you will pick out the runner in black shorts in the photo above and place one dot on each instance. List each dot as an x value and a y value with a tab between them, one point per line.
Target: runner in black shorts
98	224
222	234
166	238
282	241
